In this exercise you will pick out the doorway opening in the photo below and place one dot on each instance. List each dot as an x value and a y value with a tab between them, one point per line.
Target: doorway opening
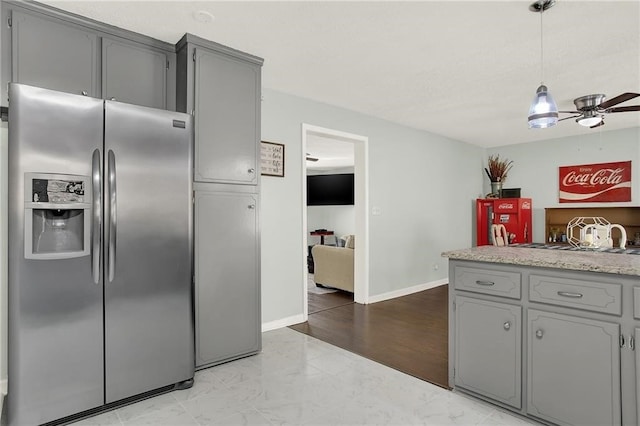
359	145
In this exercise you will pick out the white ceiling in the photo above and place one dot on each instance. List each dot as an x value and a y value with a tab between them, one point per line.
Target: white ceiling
467	70
332	153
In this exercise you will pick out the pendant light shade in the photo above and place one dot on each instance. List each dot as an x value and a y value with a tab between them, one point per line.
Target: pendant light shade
543	111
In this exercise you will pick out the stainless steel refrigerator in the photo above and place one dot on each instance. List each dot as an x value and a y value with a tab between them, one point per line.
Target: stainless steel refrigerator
100	253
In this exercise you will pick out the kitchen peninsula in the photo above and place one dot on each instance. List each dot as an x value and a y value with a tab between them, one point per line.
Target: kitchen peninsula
548	334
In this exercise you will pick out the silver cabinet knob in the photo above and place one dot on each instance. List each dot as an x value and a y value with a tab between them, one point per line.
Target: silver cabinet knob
507	325
539	334
85	93
251	170
112	98
251	206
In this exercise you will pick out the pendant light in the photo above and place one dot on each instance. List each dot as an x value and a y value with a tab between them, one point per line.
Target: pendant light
543	111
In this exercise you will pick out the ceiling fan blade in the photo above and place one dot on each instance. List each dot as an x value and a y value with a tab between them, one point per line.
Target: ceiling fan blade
597	125
624	109
573	116
618	99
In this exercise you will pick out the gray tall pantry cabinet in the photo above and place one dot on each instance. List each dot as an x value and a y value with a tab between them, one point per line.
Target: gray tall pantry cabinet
221	87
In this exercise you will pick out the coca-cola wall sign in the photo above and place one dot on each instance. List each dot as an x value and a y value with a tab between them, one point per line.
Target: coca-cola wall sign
588	183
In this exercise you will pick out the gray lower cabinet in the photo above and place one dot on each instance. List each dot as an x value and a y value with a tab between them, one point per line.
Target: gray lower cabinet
136	74
636	336
221	86
573	369
489	334
53	54
227	286
554	345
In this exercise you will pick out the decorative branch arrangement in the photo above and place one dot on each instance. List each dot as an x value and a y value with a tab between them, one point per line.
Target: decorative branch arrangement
498	168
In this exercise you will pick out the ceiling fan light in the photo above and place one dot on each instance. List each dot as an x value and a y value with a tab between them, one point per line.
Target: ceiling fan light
589	121
543	111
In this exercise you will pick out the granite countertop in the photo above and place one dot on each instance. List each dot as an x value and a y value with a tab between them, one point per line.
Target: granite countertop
612	263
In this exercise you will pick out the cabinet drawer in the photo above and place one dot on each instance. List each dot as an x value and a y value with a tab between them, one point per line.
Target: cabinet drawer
499	283
597	296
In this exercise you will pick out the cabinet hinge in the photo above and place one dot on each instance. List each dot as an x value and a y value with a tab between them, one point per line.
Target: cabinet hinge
167	64
621	341
454	372
194	56
9	21
632	343
454	305
193	112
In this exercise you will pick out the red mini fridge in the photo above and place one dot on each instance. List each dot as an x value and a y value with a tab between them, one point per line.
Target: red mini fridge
513	213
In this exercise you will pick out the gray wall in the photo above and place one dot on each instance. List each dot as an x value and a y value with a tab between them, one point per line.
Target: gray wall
339	219
535	166
423	184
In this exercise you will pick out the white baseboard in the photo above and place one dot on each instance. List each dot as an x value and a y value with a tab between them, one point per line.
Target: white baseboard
281	323
407	291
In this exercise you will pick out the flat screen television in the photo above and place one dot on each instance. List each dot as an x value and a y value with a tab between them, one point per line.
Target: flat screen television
330	190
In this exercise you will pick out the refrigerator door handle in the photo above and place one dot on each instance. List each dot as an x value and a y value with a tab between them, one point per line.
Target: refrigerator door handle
96	179
112	216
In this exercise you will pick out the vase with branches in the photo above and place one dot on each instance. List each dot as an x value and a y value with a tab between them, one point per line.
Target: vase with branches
498	168
497	171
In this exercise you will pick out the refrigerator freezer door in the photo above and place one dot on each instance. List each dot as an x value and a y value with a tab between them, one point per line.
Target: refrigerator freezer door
148	296
55	308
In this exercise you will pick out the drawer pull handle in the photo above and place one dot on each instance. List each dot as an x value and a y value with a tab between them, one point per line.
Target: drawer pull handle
569	294
539	334
507	325
486	283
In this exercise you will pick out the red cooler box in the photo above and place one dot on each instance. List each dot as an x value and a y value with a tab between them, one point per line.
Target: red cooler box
513	213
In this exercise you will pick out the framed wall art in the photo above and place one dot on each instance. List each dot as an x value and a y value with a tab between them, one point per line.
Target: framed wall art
272	159
602	183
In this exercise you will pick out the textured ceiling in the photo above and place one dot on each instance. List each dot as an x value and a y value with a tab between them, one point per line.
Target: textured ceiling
465	70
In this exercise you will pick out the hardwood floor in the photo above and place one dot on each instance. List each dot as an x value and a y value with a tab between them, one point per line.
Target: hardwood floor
322	302
409	333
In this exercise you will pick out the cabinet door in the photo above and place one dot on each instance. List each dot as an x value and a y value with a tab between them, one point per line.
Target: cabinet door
227	278
637	355
488	339
51	54
573	370
134	73
227	123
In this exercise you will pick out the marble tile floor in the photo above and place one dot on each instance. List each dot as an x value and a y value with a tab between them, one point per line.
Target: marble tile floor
299	380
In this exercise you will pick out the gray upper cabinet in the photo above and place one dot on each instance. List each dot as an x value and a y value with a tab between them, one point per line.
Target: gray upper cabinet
45	47
489	334
52	54
573	369
221	86
135	73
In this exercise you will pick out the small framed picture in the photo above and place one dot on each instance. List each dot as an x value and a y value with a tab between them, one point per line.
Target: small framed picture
272	159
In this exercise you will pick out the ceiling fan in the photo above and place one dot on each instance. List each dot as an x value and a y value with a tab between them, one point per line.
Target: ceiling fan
592	108
310	158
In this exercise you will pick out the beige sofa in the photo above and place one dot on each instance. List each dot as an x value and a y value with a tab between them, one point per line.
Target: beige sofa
333	267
